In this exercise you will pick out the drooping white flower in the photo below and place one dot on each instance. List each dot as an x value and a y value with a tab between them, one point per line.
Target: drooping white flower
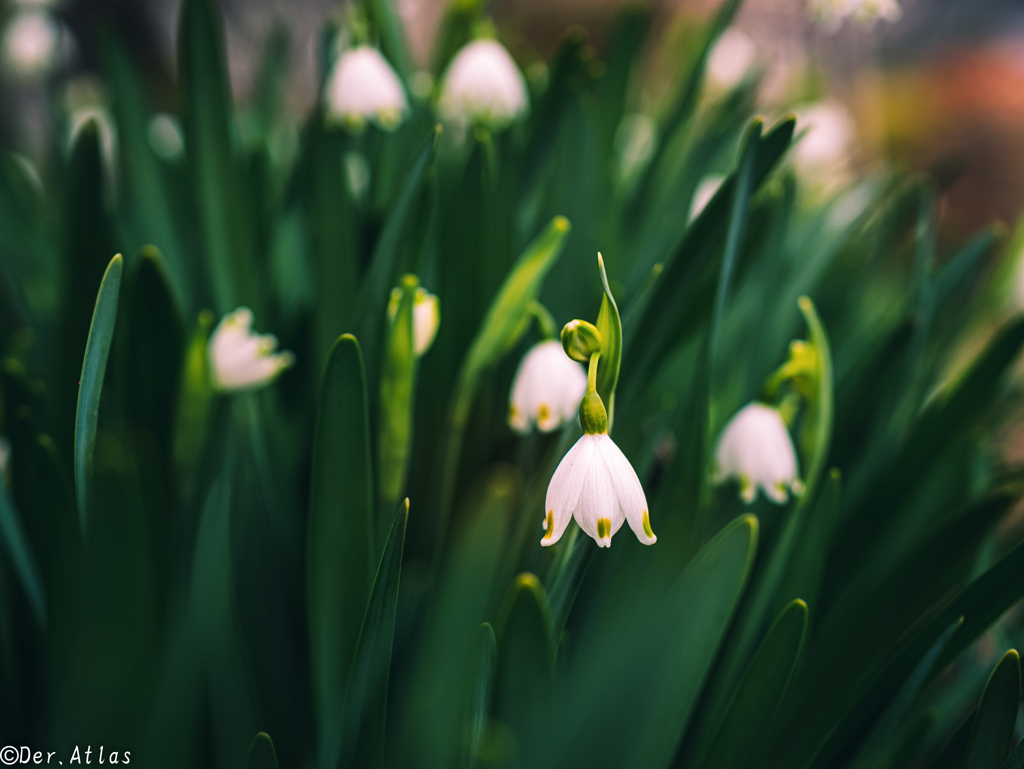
483	85
165	136
731	59
362	88
595	483
241	359
426	317
705	191
756	449
31	40
546	390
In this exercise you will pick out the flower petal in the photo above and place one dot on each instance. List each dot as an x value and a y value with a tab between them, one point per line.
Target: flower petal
565	487
598	512
629	492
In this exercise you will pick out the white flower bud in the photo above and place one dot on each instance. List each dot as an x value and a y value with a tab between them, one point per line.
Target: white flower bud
362	88
483	85
755	448
241	359
426	317
546	390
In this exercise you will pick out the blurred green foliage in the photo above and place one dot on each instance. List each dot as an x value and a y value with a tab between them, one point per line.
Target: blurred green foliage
184	569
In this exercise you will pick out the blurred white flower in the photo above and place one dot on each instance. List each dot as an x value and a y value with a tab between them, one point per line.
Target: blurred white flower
756	449
165	136
705	191
361	88
821	156
546	390
731	59
31	41
595	483
426	317
241	359
832	13
483	85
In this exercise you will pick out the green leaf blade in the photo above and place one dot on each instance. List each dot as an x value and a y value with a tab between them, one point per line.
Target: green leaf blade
339	550
993	730
94	366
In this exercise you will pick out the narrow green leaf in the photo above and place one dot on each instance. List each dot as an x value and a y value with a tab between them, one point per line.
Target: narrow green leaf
526	658
207	119
568	578
734	233
366	700
22	560
738	738
194	405
388	26
382	273
992	733
146	195
90	387
653	660
506	321
480	703
446	665
610	326
686	99
262	754
397	388
339	552
805	569
816	436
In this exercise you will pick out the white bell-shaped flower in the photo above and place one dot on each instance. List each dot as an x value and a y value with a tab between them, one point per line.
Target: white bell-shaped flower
595	483
822	155
241	359
362	88
426	317
546	390
756	449
483	85
31	43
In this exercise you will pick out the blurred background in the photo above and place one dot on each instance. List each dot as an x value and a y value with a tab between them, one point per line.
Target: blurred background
940	89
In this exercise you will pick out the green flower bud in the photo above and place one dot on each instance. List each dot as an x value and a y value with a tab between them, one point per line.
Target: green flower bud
580	340
593	415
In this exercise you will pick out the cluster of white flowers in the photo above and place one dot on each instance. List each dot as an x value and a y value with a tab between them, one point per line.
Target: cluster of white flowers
832	13
482	86
241	359
756	450
31	40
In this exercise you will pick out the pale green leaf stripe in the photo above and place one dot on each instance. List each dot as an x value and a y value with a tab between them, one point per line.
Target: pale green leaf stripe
90	387
16	544
367	695
821	419
340	538
262	754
